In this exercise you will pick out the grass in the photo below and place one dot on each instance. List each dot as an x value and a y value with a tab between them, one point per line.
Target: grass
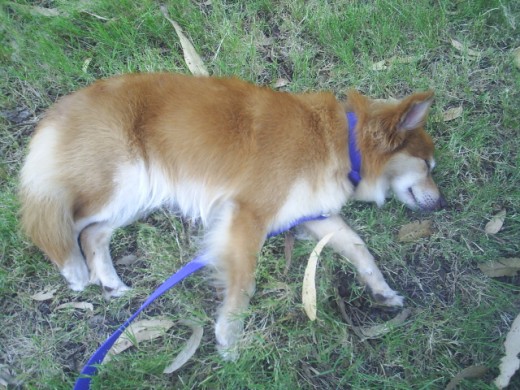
459	316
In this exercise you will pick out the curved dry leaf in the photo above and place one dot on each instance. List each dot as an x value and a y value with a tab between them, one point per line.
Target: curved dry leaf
516	57
452	113
380	65
143	330
127	260
36	10
189	350
309	285
373	332
44	295
415	230
76	305
384	64
192	58
467	373
501	267
281	82
85	65
510	362
495	224
460	47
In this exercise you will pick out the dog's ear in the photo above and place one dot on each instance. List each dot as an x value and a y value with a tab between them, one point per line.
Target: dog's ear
413	111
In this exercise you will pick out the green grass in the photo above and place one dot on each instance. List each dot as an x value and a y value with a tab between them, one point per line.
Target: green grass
459	316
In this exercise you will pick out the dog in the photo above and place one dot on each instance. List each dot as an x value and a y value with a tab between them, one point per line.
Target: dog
245	160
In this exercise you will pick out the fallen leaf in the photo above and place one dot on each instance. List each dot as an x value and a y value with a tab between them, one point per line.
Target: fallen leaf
96	16
281	82
467	373
7	378
495	224
501	267
376	331
44	295
189	350
452	113
127	260
510	362
463	49
36	10
85	65
380	65
76	305
309	285
143	330
193	60
384	64
516	57
413	231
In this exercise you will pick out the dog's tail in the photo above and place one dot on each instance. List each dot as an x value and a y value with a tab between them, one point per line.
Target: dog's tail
46	206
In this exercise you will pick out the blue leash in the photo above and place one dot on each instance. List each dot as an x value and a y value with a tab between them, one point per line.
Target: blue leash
90	369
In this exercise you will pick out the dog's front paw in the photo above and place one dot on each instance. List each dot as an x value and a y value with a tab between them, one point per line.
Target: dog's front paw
114	292
228	333
389	298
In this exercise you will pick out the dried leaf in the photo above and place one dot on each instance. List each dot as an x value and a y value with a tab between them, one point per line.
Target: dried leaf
415	230
189	350
281	82
44	295
76	305
384	64
143	330
85	65
309	285
495	224
377	331
467	373
380	65
516	57
193	60
510	362
460	47
501	267
8	379
406	60
127	260
452	113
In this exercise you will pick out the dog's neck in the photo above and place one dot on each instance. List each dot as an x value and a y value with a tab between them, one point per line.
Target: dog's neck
353	152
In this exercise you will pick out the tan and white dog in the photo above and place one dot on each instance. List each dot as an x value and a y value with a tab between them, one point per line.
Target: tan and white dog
246	160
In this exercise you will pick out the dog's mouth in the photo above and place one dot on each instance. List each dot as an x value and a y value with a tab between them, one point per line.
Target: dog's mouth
414	202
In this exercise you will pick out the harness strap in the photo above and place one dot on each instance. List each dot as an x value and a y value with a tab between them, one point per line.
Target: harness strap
353	151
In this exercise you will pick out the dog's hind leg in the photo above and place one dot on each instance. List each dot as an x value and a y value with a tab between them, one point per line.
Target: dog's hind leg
234	245
95	241
75	270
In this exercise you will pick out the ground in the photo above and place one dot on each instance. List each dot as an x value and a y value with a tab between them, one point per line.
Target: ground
458	316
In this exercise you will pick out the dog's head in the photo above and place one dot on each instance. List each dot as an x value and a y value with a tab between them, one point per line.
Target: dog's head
397	153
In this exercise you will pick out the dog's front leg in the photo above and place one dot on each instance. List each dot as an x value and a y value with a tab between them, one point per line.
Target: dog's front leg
347	243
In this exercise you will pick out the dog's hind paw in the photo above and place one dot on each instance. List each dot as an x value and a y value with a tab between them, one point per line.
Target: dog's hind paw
389	298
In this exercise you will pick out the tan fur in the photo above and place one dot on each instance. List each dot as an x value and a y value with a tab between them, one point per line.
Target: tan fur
244	159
